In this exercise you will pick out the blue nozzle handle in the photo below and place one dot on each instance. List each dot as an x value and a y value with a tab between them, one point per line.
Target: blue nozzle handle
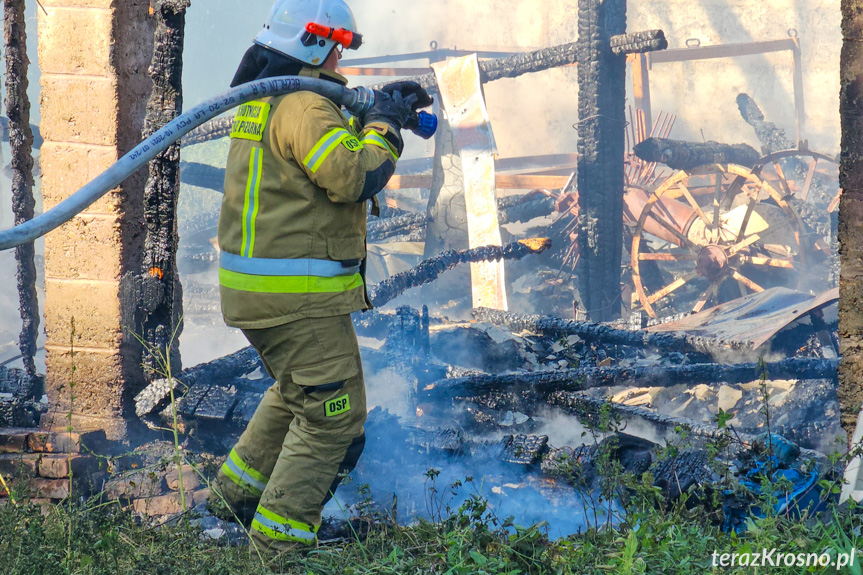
422	124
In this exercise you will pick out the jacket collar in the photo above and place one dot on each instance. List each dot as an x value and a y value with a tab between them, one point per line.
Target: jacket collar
323	75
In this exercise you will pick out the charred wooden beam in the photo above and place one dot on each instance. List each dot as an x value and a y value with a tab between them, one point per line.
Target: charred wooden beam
162	294
223	371
210	130
769	134
851	215
23	202
547	382
681	155
382	229
603	333
638	42
519	209
513	66
430	269
601	147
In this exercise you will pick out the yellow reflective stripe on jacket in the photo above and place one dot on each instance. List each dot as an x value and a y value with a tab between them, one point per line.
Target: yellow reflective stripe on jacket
280	528
325	145
243	475
251	203
288	284
375	139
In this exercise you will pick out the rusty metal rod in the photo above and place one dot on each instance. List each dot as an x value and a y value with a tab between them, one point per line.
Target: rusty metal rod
547	382
430	269
602	333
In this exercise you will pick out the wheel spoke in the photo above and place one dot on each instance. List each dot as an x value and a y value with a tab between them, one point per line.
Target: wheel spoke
742	279
762	261
807	185
782	178
676	284
711	291
733	250
716	193
689	198
664	257
749	209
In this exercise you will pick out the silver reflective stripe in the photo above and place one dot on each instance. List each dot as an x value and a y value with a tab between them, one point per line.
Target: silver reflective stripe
245	477
286	267
286	529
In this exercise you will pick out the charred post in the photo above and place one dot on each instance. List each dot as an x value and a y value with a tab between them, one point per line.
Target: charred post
601	145
23	202
429	270
162	293
681	155
851	215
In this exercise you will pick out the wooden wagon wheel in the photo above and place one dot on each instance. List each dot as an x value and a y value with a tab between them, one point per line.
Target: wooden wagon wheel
799	185
733	228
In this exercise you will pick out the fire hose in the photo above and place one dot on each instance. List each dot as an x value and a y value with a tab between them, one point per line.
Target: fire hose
356	100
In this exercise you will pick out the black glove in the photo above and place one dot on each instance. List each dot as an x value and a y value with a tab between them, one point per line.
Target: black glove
390	109
407	88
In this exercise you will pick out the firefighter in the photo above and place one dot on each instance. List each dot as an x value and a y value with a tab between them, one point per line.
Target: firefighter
299	180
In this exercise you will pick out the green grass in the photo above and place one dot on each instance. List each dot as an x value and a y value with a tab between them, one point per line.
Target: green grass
106	539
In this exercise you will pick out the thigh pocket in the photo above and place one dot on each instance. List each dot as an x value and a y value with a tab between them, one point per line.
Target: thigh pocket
330	391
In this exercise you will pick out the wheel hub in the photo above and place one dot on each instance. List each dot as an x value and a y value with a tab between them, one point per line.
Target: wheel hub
712	262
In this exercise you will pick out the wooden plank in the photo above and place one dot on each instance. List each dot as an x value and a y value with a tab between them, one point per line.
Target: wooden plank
461	95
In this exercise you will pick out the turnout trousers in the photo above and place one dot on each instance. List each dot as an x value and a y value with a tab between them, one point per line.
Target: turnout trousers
306	434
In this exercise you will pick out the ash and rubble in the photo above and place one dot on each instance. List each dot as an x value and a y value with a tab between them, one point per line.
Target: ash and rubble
512	397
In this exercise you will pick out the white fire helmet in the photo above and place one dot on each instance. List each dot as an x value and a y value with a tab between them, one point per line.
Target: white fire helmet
286	28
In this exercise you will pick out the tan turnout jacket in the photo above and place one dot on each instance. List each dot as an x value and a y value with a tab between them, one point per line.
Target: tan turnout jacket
293	222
